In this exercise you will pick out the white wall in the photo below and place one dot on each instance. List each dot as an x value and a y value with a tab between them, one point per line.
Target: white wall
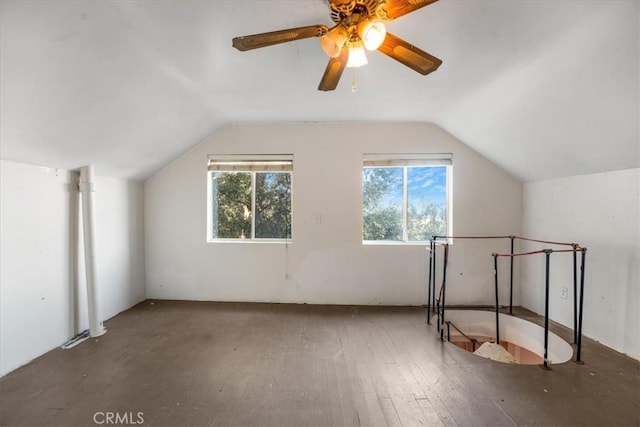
599	211
41	276
326	263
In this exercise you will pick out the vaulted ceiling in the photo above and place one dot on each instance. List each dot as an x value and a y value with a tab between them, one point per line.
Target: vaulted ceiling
543	88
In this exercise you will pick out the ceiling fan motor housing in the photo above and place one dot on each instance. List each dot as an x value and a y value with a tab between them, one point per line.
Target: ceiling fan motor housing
343	8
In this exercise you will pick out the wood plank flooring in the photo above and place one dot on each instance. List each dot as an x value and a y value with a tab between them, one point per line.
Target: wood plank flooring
219	364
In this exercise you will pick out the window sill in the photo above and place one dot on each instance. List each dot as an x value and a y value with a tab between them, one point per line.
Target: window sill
393	243
246	241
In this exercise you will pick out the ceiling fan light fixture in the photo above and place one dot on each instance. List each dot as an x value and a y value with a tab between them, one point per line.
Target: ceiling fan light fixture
372	32
333	41
357	57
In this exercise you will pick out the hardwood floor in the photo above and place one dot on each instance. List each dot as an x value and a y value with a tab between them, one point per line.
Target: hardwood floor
208	364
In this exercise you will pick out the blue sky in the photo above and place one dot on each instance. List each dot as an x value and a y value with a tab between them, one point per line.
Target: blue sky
429	183
425	183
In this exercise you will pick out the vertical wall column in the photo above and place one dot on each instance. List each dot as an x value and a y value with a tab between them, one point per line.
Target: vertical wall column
87	189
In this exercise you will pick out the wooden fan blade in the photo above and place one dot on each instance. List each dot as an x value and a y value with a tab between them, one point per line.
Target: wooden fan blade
276	37
392	9
409	55
334	70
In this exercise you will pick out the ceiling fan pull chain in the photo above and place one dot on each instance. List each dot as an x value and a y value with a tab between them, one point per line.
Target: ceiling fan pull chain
354	87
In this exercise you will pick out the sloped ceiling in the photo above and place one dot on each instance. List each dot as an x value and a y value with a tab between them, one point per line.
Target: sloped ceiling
543	88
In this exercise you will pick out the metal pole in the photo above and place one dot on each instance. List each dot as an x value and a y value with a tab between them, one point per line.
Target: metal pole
429	283
495	275
435	297
435	260
575	293
578	351
444	280
511	278
546	309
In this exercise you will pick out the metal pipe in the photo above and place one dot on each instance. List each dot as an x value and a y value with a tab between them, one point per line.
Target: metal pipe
435	254
444	280
495	275
87	188
511	278
546	308
575	294
74	253
429	282
438	315
579	347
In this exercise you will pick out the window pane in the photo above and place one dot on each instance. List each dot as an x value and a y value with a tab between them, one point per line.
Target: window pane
273	205
231	205
427	211
382	203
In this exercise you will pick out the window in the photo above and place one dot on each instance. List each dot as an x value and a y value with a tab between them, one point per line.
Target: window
405	198
249	197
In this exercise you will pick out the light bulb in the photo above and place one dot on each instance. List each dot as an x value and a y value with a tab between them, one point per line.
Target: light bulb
333	41
372	32
357	57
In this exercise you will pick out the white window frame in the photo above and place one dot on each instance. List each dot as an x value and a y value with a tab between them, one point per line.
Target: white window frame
405	161
258	163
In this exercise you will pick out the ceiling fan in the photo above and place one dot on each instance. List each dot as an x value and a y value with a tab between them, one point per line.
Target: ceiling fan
359	25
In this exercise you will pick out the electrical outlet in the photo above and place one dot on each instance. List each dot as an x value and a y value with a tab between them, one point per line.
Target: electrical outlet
563	292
